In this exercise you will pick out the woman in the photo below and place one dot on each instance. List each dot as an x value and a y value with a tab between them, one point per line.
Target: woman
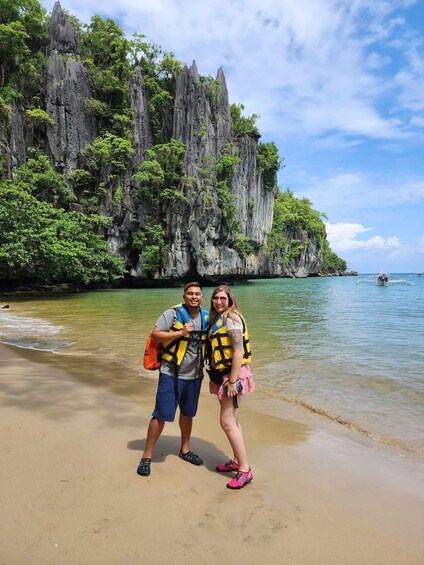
230	376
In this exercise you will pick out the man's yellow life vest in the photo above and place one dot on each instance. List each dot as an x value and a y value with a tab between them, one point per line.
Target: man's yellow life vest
174	350
222	351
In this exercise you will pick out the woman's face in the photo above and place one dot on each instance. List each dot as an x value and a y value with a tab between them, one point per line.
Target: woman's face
220	301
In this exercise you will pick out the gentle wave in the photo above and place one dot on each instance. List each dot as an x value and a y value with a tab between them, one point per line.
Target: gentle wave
396	443
31	333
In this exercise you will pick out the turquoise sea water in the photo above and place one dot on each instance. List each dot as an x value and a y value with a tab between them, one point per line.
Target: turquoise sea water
351	352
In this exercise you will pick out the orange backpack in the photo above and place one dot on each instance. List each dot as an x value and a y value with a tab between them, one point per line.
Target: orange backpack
152	354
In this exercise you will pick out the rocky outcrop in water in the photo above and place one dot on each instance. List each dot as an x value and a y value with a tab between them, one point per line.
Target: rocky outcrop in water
199	241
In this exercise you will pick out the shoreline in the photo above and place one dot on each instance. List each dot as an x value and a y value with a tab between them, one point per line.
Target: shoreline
72	440
35	289
301	408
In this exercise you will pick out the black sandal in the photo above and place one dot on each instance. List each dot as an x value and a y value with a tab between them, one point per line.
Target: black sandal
191	458
143	468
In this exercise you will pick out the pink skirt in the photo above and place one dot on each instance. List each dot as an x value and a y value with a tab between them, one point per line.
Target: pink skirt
245	376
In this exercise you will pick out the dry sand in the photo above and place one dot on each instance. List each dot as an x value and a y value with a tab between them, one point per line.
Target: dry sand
71	440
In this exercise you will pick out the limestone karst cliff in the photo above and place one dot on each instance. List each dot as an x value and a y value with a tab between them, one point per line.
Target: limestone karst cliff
185	191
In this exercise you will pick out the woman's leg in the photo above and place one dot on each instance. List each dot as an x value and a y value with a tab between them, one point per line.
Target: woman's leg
230	423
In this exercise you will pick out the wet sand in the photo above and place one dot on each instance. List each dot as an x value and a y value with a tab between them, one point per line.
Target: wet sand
71	439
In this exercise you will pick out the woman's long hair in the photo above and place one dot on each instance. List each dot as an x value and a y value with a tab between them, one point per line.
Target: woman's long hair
232	309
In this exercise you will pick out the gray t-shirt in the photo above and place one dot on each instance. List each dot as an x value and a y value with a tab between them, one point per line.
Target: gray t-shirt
192	364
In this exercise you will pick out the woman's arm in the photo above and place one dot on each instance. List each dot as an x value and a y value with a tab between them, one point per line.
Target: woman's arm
236	339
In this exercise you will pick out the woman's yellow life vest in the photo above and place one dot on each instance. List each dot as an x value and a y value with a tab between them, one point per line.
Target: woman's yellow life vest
222	351
174	350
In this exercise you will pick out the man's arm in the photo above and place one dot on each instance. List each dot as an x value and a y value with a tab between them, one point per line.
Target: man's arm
162	336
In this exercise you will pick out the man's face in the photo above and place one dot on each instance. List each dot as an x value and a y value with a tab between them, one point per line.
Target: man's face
193	296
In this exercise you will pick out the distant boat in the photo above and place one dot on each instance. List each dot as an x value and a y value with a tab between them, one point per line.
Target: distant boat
384	279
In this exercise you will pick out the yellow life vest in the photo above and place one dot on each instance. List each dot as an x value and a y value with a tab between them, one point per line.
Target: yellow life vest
174	350
222	351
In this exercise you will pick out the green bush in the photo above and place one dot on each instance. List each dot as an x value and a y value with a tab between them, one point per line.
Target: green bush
268	163
40	242
243	245
243	125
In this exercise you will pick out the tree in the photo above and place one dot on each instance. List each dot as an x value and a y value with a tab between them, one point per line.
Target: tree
39	179
243	125
23	32
268	163
40	242
332	262
159	177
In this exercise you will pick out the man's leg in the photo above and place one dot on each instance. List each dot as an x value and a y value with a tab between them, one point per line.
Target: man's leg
189	397
186	425
153	432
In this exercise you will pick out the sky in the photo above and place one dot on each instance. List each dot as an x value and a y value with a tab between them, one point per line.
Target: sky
339	88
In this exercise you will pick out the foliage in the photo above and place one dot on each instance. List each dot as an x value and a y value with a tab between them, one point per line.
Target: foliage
118	196
23	32
98	108
39	179
107	46
297	214
160	69
243	125
151	242
106	158
293	215
38	241
332	262
81	179
251	207
268	163
226	165
148	180
213	89
224	170
226	203
294	250
39	117
160	175
105	52
243	245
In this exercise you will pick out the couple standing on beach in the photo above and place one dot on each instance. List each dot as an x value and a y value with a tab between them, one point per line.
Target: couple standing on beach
190	336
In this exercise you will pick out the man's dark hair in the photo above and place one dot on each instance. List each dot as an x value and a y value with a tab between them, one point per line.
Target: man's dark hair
188	285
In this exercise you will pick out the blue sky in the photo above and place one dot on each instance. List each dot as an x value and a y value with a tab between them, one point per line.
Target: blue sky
339	87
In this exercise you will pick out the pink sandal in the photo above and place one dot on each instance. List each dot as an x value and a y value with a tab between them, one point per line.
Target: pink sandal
227	467
242	479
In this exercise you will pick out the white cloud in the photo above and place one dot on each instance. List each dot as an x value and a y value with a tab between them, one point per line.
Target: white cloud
343	237
358	190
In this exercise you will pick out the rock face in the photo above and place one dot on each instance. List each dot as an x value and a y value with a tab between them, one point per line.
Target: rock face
199	243
67	90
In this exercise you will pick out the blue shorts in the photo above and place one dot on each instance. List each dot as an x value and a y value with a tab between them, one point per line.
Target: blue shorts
166	405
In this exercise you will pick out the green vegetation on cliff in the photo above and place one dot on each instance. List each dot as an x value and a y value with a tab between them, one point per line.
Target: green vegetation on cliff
68	213
295	224
23	34
40	241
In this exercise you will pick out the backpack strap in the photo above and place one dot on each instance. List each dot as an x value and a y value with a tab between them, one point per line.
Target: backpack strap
181	310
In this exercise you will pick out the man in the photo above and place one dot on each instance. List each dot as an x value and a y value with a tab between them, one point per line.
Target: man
182	331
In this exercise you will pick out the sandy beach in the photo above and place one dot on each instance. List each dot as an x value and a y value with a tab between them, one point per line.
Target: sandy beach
71	442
